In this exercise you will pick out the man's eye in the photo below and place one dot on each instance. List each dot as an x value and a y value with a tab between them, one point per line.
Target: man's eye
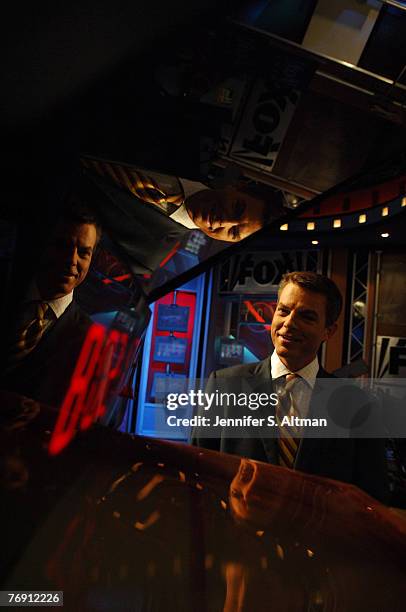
283	310
309	317
84	254
236	493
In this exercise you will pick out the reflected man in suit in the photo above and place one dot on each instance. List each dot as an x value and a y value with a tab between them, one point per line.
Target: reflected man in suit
306	315
229	214
50	326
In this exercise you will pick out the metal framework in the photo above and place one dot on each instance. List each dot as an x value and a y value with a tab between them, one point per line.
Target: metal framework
358	307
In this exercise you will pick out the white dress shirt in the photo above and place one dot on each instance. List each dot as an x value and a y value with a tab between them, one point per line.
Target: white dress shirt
302	389
181	215
170	185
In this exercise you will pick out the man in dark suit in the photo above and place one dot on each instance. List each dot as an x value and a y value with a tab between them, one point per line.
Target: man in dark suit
50	327
229	214
307	310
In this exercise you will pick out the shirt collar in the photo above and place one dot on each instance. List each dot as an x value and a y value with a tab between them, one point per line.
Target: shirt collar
181	216
308	373
58	306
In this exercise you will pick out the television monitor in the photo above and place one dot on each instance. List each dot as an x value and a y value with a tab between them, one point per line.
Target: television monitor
162	384
170	349
231	352
172	317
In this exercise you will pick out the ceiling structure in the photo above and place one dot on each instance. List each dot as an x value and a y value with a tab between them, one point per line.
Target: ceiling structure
295	99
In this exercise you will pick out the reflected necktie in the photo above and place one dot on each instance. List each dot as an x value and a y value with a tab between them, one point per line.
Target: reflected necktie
288	439
143	186
28	335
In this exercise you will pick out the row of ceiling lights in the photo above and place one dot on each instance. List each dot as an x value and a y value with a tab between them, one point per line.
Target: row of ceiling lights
311	225
383	235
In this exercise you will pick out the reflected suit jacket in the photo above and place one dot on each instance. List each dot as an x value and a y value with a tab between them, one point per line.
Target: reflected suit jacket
357	461
45	373
143	236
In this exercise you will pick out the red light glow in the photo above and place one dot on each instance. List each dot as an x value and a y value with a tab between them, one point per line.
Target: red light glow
256	315
99	364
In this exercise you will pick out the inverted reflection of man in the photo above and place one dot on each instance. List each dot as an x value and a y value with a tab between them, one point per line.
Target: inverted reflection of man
50	325
229	214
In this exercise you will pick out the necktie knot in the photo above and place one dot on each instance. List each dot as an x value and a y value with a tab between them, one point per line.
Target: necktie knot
29	334
41	309
287	385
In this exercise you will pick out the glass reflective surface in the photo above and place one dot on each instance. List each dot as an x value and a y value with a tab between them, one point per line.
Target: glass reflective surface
128	523
151	525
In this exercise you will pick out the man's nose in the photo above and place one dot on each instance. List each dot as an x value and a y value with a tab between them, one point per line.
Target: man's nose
72	257
290	320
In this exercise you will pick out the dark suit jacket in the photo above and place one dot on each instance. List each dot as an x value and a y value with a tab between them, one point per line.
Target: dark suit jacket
44	375
142	234
357	461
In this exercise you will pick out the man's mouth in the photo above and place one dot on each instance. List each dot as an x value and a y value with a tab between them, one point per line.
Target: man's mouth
68	276
287	338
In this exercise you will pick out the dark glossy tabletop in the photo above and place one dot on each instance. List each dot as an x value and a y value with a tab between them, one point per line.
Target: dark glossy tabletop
127	523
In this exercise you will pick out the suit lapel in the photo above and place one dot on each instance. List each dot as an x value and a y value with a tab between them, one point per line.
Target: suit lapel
263	372
310	447
262	369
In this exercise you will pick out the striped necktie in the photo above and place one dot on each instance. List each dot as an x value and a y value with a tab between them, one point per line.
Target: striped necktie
144	186
288	439
28	335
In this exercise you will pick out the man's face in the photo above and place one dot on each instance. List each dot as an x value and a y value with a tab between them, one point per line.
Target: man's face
240	490
65	263
299	326
230	216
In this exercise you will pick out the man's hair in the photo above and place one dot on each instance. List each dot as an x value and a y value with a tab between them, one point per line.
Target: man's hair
272	200
318	284
76	211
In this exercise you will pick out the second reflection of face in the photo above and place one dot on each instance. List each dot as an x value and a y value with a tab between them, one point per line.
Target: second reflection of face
227	214
240	489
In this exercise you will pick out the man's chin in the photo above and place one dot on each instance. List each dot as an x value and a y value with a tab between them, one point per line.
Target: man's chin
63	289
287	345
288	353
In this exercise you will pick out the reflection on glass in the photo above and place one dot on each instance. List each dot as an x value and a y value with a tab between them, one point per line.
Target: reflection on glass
164	225
77	328
50	326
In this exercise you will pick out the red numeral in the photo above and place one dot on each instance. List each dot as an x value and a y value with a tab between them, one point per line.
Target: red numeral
72	406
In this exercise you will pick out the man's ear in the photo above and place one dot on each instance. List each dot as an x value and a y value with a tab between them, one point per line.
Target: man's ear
331	330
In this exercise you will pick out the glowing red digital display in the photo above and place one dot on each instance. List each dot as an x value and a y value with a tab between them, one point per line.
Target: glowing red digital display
100	365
